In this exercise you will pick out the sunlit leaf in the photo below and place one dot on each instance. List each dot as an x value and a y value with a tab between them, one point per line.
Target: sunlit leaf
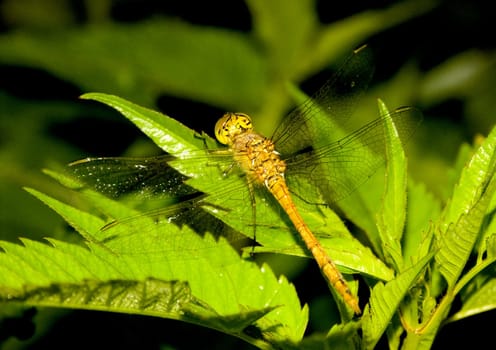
391	217
215	274
384	302
463	216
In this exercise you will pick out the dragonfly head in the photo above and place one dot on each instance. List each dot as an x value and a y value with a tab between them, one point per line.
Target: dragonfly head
232	125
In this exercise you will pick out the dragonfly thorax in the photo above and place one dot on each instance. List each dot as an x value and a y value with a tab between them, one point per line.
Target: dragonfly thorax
231	125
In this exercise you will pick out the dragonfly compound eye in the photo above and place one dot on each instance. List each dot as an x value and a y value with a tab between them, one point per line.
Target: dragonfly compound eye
231	125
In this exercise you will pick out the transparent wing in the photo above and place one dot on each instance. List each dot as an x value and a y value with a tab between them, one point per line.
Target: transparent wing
115	177
212	193
338	168
149	177
152	179
337	98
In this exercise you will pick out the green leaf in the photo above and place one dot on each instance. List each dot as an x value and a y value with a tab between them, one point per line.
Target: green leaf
385	300
341	336
422	209
461	222
391	217
150	296
457	232
477	284
153	297
221	284
481	300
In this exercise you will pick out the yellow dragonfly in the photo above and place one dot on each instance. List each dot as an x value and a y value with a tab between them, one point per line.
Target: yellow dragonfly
336	168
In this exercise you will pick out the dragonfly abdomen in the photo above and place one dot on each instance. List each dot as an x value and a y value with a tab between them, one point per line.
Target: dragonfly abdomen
327	266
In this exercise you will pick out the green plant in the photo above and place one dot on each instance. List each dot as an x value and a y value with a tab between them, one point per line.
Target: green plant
424	256
246	71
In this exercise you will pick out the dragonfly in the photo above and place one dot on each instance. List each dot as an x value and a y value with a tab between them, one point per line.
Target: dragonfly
332	159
